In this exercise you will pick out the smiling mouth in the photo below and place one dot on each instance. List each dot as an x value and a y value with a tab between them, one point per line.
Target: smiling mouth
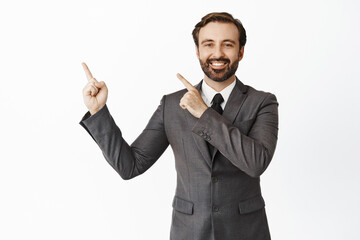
218	65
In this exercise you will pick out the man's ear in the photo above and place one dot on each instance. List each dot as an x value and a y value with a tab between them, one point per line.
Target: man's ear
241	53
197	52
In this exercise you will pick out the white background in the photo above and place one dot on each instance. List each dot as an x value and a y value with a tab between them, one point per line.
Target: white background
54	182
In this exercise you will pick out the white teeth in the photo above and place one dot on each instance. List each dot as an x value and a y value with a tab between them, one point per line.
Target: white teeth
218	64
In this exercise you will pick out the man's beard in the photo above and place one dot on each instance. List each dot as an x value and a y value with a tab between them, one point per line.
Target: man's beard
219	75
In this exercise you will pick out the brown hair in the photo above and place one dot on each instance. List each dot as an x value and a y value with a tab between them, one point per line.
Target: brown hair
219	17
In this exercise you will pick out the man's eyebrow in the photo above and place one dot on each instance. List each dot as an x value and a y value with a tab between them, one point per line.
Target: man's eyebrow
229	40
207	40
226	40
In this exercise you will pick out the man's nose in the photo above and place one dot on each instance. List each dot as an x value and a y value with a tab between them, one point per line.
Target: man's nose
218	52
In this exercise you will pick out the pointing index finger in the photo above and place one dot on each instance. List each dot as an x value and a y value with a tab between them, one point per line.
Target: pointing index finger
87	71
188	85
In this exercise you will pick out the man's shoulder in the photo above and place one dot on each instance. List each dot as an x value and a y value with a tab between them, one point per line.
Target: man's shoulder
256	92
257	95
175	97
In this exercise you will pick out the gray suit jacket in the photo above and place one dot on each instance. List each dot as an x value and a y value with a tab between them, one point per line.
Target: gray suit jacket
218	195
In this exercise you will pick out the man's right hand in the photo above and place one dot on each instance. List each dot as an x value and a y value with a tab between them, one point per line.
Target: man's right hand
94	93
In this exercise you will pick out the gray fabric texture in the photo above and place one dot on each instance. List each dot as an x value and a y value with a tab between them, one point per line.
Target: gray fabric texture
218	194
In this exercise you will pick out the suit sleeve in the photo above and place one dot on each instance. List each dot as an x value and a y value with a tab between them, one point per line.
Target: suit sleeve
128	160
250	152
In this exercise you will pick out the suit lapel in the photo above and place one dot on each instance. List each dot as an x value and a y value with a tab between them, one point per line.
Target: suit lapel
233	105
235	101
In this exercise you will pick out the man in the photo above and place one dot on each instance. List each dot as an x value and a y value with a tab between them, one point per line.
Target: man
220	151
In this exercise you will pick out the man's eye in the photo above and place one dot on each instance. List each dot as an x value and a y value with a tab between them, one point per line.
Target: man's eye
228	45
208	45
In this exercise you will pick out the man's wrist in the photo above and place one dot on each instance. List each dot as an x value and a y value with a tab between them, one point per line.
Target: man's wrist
93	111
203	110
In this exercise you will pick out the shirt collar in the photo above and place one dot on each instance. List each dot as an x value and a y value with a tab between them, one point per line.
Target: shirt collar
208	93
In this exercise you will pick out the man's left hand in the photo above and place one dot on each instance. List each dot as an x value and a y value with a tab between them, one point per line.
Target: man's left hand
192	100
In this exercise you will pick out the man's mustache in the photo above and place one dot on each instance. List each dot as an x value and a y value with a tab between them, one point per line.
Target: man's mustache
218	60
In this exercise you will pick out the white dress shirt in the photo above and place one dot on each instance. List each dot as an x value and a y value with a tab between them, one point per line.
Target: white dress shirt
207	93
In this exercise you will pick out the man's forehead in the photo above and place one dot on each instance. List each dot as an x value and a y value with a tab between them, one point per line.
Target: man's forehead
219	31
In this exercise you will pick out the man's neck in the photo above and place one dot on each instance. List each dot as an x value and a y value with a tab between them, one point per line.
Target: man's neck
219	86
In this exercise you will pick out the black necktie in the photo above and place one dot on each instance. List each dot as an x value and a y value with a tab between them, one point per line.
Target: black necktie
216	102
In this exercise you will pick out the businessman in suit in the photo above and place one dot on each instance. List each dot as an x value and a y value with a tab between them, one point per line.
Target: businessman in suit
223	135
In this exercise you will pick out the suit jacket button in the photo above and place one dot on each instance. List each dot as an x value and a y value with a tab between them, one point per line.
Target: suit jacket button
208	137
215	179
215	209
